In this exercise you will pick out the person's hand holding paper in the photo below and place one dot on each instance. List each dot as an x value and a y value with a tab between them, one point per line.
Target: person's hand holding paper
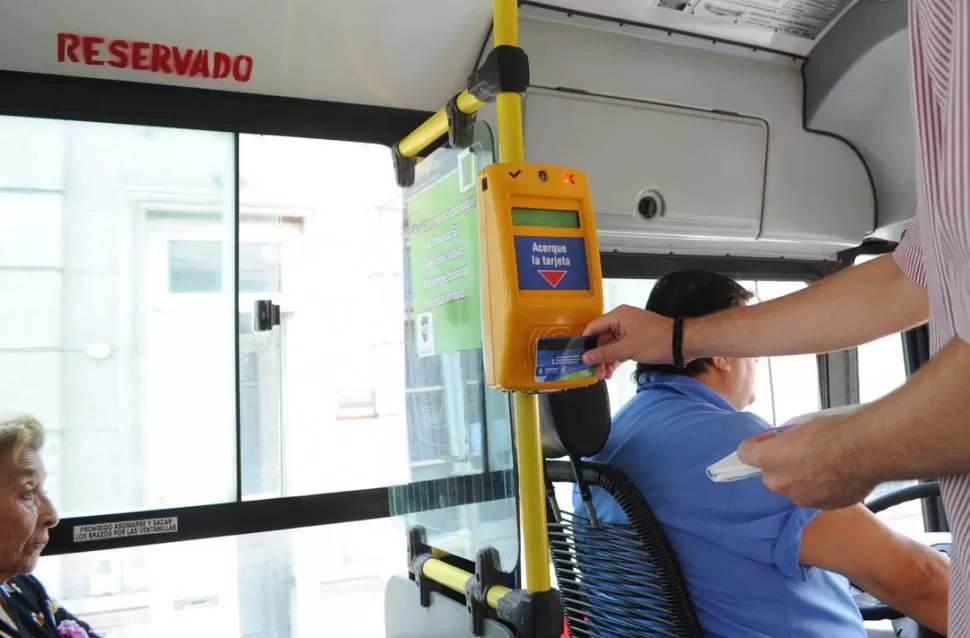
735	468
798	460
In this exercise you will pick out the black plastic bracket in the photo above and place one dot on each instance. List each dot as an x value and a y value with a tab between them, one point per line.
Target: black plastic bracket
487	573
418	554
552	505
266	315
460	133
403	167
584	491
505	70
534	615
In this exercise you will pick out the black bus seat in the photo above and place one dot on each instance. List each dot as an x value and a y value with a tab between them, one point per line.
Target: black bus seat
614	580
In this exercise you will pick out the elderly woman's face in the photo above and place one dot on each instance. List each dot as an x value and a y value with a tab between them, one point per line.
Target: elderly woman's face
25	514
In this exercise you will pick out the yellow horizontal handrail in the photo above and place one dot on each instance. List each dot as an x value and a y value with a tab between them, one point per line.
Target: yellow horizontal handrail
454	578
436	126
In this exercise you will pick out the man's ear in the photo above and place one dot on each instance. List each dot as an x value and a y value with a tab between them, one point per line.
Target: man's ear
721	363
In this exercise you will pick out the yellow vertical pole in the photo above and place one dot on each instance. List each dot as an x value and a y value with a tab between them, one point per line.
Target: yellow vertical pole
528	441
509	105
532	501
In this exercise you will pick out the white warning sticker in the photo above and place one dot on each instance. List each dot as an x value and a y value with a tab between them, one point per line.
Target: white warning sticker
799	18
119	529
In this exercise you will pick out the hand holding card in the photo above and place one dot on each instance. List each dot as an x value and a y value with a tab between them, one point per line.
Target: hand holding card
561	358
731	468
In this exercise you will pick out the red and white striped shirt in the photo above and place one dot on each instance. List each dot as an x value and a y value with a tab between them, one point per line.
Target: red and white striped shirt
935	249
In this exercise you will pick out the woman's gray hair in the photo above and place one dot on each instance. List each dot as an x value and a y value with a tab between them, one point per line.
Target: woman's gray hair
19	432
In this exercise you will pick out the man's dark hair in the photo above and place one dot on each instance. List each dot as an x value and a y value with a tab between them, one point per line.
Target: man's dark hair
690	293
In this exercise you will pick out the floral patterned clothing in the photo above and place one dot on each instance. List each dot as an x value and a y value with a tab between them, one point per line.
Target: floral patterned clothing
29	612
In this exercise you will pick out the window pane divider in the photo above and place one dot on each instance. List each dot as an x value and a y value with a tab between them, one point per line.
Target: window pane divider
237	367
277	514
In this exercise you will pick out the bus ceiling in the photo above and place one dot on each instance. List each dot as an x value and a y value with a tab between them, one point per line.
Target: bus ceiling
367	51
695	91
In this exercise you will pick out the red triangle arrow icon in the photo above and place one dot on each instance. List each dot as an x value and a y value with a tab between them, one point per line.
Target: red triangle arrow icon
553	277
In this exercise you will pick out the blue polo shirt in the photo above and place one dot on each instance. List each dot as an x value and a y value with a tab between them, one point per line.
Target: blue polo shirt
738	543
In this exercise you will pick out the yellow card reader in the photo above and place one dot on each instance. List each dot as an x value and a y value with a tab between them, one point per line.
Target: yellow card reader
541	276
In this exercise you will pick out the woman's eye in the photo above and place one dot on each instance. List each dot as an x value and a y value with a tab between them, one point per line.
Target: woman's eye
30	493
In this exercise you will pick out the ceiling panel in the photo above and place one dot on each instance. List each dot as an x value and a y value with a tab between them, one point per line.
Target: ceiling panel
388	53
383	52
789	26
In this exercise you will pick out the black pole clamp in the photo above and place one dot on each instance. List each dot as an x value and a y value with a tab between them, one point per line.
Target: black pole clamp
418	554
266	315
505	70
403	167
488	573
460	132
533	614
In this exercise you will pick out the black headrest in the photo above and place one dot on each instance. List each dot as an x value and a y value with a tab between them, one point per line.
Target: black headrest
575	422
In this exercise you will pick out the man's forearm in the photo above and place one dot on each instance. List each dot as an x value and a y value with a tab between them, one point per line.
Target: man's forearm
852	307
923	594
922	430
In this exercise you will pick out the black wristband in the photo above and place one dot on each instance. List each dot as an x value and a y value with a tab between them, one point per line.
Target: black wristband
677	345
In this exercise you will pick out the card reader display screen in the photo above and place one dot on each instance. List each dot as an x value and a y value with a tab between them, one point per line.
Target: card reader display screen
545	218
561	358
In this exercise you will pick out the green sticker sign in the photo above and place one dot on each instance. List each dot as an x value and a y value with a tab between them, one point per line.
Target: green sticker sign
442	230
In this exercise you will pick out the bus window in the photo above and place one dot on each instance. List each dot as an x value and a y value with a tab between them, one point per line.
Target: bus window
135	284
786	386
882	367
616	292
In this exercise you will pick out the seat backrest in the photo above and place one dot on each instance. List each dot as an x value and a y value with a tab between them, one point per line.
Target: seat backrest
614	580
575	422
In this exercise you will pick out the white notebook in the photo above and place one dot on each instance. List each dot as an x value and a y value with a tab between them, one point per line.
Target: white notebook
730	468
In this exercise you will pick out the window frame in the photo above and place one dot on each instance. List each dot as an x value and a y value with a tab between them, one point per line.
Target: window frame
119	102
115	102
617	265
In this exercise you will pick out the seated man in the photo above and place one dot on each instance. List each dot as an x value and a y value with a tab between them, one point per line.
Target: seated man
755	563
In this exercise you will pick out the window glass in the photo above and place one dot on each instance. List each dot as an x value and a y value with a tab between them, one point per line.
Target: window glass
457	427
338	397
289	584
322	393
259	267
882	367
616	292
785	386
194	266
122	343
120	244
